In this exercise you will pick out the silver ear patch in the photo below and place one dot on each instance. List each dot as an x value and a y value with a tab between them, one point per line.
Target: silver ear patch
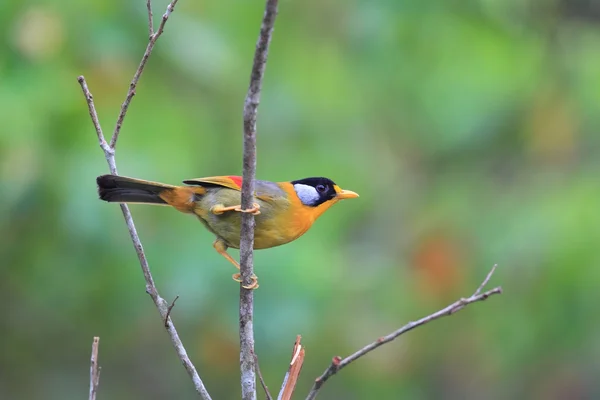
307	194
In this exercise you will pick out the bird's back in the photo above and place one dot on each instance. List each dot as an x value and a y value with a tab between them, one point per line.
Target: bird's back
273	225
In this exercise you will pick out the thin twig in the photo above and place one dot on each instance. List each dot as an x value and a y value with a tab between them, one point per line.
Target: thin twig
169	311
260	378
338	363
486	280
150	19
92	110
94	369
109	153
136	77
291	377
248	376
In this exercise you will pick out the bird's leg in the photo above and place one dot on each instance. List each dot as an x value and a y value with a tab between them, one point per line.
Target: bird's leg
220	209
221	248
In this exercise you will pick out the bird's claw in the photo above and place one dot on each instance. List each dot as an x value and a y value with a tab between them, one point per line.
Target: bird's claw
253	285
220	209
255	210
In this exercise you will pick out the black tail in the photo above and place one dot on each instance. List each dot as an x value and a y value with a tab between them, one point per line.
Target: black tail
121	189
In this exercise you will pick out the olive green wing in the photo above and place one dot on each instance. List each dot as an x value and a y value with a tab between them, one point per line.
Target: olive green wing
265	191
231	182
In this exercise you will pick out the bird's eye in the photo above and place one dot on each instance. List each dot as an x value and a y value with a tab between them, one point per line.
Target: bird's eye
321	188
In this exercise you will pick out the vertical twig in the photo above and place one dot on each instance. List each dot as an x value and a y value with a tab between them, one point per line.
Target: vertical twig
291	377
94	369
109	153
248	375
150	19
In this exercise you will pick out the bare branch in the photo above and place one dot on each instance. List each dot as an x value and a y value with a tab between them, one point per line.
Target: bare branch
136	77
486	280
109	153
338	363
165	17
291	376
248	376
94	369
260	377
150	19
159	302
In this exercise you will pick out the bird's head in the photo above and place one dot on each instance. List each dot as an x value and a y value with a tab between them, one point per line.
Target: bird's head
316	192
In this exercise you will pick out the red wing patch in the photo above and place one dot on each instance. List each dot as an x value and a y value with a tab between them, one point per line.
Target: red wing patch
237	180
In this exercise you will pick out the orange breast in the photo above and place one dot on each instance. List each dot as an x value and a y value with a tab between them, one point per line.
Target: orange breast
280	229
289	225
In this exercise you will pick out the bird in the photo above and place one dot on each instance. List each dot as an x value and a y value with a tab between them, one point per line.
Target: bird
283	211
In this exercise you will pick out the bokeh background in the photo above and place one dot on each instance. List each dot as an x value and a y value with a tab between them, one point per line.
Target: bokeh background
469	128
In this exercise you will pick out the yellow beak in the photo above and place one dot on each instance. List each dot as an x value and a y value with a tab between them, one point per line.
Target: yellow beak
344	194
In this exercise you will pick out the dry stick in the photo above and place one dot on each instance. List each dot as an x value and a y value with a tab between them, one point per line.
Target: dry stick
260	377
291	377
94	369
338	363
109	153
248	375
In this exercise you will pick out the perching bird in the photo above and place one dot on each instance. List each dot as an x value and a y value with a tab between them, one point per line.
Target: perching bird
284	210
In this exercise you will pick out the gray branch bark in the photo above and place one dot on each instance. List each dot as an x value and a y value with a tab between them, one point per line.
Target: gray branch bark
94	369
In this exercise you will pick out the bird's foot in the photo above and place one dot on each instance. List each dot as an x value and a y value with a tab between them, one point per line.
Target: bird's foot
220	209
253	285
255	210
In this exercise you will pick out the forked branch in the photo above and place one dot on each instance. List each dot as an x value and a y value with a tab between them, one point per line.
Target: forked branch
338	363
109	153
138	73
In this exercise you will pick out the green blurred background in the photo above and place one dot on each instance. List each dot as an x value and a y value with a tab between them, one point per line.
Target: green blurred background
469	128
